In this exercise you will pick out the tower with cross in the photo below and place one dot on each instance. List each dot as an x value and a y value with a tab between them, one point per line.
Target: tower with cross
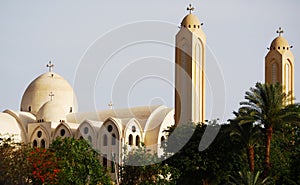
190	71
190	8
279	64
50	66
280	31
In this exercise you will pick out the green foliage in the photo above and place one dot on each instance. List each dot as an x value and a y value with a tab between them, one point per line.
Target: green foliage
14	167
144	168
249	178
266	104
78	162
211	166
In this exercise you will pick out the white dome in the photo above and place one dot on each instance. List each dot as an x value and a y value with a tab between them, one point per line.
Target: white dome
51	111
38	93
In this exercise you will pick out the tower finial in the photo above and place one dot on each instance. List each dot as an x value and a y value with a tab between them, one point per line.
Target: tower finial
280	31
190	8
110	104
50	66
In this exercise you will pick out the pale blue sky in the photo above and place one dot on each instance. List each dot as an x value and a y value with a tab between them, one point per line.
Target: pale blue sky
238	34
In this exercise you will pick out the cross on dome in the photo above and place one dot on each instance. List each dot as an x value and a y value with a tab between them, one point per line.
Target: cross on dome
51	95
190	8
280	31
110	104
50	66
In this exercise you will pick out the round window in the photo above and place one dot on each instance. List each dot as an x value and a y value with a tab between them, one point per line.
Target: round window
62	132
86	130
109	128
133	128
39	134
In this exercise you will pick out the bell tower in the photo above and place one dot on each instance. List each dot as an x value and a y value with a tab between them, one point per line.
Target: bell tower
190	71
279	64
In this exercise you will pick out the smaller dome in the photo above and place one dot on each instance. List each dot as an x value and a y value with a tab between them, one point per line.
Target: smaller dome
280	43
51	111
191	21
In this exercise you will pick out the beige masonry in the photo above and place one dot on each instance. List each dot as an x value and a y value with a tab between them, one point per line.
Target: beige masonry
279	64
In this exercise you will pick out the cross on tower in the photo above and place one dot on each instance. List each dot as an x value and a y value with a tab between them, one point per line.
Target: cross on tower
280	31
110	104
190	8
50	66
51	95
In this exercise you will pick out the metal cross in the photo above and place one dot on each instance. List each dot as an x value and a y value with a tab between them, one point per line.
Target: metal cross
50	66
280	31
51	95
110	105
190	8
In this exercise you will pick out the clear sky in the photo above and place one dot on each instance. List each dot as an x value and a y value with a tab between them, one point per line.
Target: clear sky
66	32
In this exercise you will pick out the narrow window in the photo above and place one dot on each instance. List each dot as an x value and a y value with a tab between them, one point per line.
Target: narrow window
130	139
71	109
113	139
29	108
112	163
105	140
43	143
105	160
287	80
90	139
137	140
34	143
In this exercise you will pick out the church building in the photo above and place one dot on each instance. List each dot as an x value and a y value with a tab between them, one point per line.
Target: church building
49	107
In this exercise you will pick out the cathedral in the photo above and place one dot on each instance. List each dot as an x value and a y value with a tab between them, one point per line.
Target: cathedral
49	107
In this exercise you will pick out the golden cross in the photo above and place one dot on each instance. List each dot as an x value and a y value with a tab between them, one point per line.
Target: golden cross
51	96
280	31
190	8
50	65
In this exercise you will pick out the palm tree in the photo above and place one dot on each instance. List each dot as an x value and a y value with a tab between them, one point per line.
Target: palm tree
248	178
266	104
244	131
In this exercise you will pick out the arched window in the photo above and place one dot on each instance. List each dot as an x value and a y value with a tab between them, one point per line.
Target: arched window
105	140
29	108
43	143
113	139
137	140
90	139
130	139
287	78
104	160
34	143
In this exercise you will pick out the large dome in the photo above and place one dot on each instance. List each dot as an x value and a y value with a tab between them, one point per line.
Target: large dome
40	90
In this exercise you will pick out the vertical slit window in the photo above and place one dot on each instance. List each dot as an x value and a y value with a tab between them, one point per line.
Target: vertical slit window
137	140
105	140
113	139
130	139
